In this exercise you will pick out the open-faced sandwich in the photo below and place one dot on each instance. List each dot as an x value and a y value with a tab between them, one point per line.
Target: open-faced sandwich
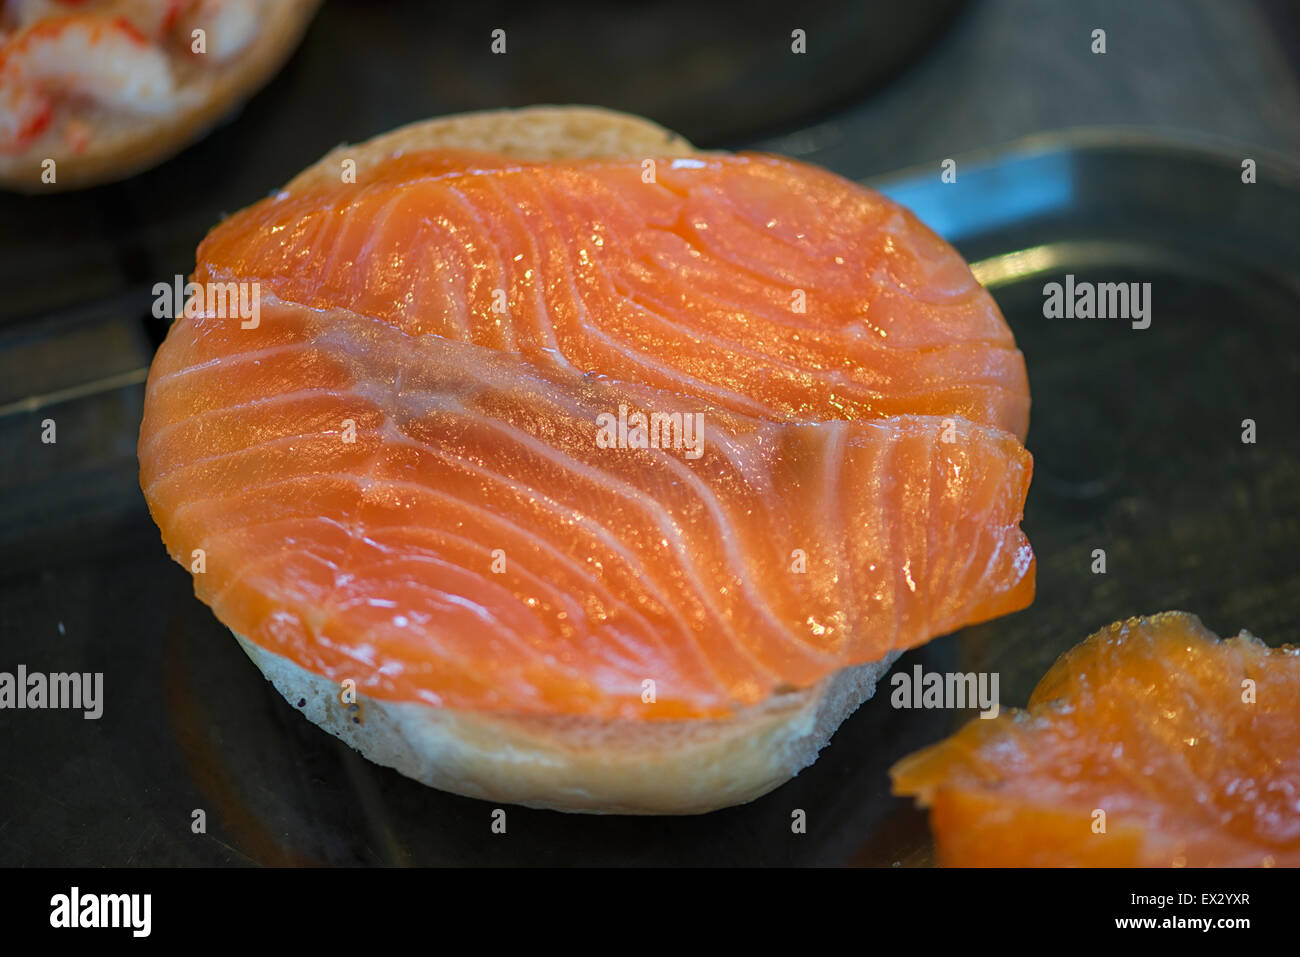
549	460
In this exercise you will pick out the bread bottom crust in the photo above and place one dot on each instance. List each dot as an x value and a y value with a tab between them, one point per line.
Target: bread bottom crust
579	764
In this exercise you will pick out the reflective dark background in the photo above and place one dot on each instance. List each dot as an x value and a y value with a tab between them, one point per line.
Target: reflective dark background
1135	434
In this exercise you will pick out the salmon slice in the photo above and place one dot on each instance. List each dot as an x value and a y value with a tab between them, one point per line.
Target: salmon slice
1184	747
437	519
758	284
406	474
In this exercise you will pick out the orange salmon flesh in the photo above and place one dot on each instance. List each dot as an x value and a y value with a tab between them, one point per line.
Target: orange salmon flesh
420	467
1151	744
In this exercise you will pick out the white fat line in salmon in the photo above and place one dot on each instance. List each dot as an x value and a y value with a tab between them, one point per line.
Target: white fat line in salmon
223	300
947	690
658	430
1103	300
35	689
75	909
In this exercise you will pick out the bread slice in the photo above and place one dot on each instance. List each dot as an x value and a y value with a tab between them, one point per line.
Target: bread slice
568	763
122	144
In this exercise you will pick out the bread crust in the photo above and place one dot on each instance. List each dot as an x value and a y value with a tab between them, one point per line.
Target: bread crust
575	764
532	133
123	144
581	764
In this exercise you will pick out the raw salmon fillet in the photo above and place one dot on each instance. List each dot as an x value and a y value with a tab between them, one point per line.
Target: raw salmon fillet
396	480
1184	746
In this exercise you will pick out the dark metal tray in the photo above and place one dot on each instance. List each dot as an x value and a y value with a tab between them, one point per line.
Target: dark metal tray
1137	442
